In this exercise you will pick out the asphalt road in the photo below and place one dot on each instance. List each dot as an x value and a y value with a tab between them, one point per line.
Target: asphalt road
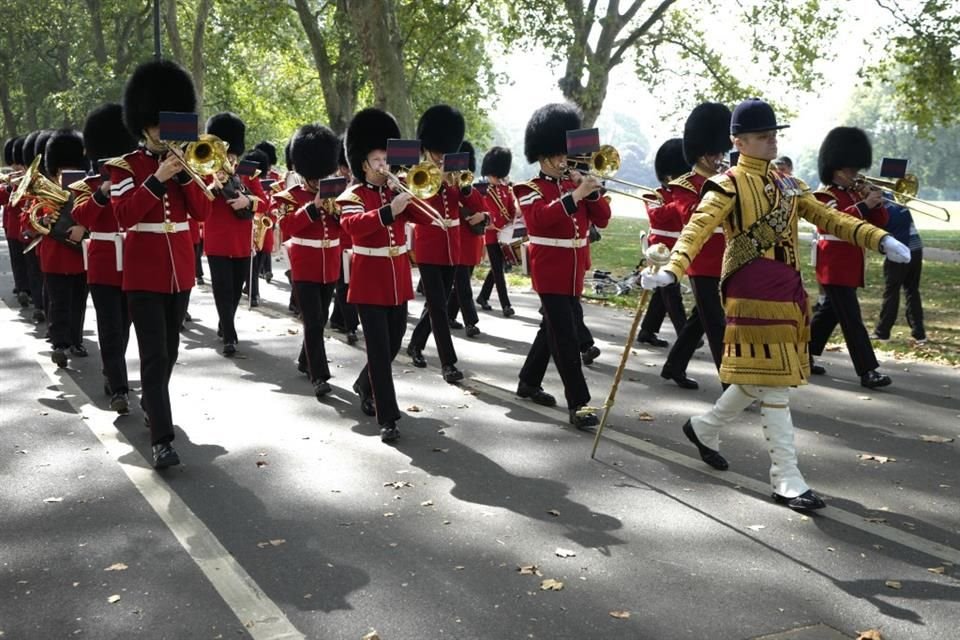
289	518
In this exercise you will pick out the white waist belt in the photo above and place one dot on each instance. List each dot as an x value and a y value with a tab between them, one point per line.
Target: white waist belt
665	234
160	227
326	243
830	238
569	243
451	222
718	230
380	252
116	237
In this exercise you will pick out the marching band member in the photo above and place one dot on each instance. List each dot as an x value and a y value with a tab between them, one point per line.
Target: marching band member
765	342
503	210
440	131
13	158
38	292
261	254
471	252
705	141
313	226
558	207
666	222
270	151
380	282
104	137
62	264
344	317
152	197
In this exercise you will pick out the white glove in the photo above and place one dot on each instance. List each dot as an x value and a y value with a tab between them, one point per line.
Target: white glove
651	280
894	250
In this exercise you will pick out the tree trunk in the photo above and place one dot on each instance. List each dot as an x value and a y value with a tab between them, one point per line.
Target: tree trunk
198	66
96	24
8	118
378	33
173	32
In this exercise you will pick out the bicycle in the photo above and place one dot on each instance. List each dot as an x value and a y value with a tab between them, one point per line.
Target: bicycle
601	285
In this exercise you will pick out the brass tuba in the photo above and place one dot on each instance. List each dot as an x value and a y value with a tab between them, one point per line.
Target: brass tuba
49	205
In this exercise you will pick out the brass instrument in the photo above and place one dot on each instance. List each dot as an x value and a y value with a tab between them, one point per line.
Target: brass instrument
30	175
423	182
49	206
465	179
9	178
193	172
261	225
604	163
904	191
208	155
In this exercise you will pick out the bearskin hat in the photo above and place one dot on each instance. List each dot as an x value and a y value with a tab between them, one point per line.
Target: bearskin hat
669	162
287	158
8	152
314	151
104	135
155	86
441	129
368	130
546	133
65	151
229	128
18	150
263	162
706	131
497	162
269	149
467	147
844	147
40	148
29	151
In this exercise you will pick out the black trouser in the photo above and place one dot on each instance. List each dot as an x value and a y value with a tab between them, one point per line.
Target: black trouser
156	319
197	257
383	329
495	277
437	286
253	286
708	317
113	333
558	337
842	306
584	337
18	265
344	314
895	276
314	301
462	298
68	307
267	265
226	277
665	300
35	280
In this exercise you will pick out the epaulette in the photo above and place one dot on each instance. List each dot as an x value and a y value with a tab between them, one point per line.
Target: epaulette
532	185
286	196
277	187
121	163
80	187
722	182
350	195
684	182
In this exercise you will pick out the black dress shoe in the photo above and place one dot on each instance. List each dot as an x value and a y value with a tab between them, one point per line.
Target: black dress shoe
59	358
454	324
417	356
268	277
591	354
483	304
352	337
255	302
389	432
806	501
681	379
164	455
79	351
187	317
537	394
508	312
817	369
708	455
651	339
321	388
451	374
23	297
366	401
230	349
472	331
39	316
874	380
200	280
585	421
119	403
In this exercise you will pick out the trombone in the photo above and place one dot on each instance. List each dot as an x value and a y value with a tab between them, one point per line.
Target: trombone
199	153
423	182
905	193
604	163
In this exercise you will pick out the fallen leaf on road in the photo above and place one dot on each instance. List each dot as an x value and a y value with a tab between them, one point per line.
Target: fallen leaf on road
271	543
937	439
113	599
554	513
551	585
372	635
643	416
117	566
426	503
397	484
864	398
620	615
871	634
440	450
564	553
529	570
262	463
937	570
894	584
756	527
876	520
459	567
53	499
389	514
414	409
880	459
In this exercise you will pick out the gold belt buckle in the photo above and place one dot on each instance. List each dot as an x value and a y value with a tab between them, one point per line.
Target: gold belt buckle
324	244
393	251
168	226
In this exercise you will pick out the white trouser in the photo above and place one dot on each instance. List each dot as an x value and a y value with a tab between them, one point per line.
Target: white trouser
785	477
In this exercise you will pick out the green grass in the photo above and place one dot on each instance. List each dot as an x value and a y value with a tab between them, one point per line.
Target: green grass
619	251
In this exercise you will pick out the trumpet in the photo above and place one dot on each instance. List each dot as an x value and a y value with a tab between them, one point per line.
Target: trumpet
463	179
904	193
604	163
195	174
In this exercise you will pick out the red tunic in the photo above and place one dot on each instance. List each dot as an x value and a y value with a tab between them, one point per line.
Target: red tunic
471	244
558	228
687	190
160	262
503	210
435	245
224	234
666	217
841	263
315	250
377	279
11	215
93	210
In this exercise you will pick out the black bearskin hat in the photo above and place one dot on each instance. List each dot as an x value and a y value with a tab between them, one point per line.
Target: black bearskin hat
8	152
843	148
269	149
368	130
287	158
707	131
669	163
156	86
229	128
104	135
497	162
314	151
546	133
467	147
18	150
29	151
40	148
441	129
263	162
64	151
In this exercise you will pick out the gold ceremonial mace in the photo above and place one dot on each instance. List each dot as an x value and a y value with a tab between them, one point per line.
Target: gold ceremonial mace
657	256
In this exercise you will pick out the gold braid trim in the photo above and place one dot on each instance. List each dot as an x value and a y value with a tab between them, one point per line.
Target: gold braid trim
792	330
119	163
